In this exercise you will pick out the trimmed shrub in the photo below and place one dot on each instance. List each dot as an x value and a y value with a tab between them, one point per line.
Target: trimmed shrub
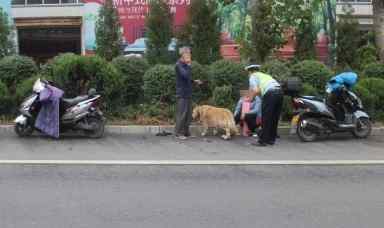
374	87
77	74
5	100
222	97
367	98
309	90
228	73
132	71
201	93
366	55
14	69
374	70
312	72
277	69
287	110
160	84
24	89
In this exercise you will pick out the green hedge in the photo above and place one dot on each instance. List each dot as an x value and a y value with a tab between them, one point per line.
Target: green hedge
366	55
4	99
77	74
312	72
374	70
222	97
229	73
373	95
132	71
277	69
160	84
14	69
201	93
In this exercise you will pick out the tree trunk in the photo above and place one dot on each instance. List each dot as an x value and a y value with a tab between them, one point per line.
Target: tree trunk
378	12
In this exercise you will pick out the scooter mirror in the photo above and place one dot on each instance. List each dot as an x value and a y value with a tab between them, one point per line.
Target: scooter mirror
92	92
38	86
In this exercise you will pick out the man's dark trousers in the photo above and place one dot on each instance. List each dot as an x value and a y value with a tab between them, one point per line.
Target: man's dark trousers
183	116
271	110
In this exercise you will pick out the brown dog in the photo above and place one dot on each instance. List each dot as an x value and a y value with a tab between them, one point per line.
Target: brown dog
217	118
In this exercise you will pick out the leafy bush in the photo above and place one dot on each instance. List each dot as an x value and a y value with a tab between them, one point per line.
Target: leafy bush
366	55
228	73
374	87
277	69
77	74
312	72
24	89
309	90
203	92
5	100
374	70
222	97
14	69
367	98
160	84
132	71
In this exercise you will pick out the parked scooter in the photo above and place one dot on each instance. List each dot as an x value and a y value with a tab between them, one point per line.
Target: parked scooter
78	114
315	117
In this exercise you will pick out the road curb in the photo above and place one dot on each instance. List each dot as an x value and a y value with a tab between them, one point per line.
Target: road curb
153	130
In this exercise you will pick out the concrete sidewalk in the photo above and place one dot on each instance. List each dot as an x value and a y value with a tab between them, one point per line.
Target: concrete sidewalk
142	149
153	130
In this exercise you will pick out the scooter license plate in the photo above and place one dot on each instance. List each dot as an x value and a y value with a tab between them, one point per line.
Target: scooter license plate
295	120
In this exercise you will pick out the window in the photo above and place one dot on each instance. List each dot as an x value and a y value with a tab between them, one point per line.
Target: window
51	1
18	2
34	2
45	2
68	1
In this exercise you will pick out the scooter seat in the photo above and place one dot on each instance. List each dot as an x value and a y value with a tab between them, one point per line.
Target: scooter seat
74	101
313	98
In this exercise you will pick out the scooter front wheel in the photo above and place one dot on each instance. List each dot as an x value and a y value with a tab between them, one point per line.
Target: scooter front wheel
23	130
363	128
304	132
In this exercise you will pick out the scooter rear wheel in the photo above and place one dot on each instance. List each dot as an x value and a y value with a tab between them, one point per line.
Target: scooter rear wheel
98	131
305	134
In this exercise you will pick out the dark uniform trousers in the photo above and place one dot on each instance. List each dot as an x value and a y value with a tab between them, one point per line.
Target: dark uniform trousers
183	116
271	110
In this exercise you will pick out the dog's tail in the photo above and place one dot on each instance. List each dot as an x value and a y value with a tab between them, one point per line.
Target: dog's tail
232	125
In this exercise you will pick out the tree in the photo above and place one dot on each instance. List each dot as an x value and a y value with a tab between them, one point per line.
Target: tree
108	33
305	37
203	30
266	32
348	38
159	32
378	12
6	39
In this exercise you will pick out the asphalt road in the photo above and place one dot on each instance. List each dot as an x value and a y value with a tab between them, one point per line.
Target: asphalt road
191	196
140	147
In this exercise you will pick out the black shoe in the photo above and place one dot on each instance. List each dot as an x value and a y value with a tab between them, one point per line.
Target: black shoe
271	143
260	144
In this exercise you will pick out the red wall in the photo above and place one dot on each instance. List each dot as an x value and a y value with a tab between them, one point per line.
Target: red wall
132	15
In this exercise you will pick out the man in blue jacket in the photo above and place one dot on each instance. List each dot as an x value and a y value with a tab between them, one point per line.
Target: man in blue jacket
184	93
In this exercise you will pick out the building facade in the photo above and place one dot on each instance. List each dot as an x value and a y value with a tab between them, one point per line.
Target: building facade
48	27
361	9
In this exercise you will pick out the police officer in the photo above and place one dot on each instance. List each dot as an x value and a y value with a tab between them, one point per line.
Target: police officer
263	85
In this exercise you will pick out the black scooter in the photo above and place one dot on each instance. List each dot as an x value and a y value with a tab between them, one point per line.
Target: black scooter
78	114
315	117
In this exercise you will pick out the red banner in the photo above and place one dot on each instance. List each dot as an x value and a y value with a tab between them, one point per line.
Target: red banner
132	15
